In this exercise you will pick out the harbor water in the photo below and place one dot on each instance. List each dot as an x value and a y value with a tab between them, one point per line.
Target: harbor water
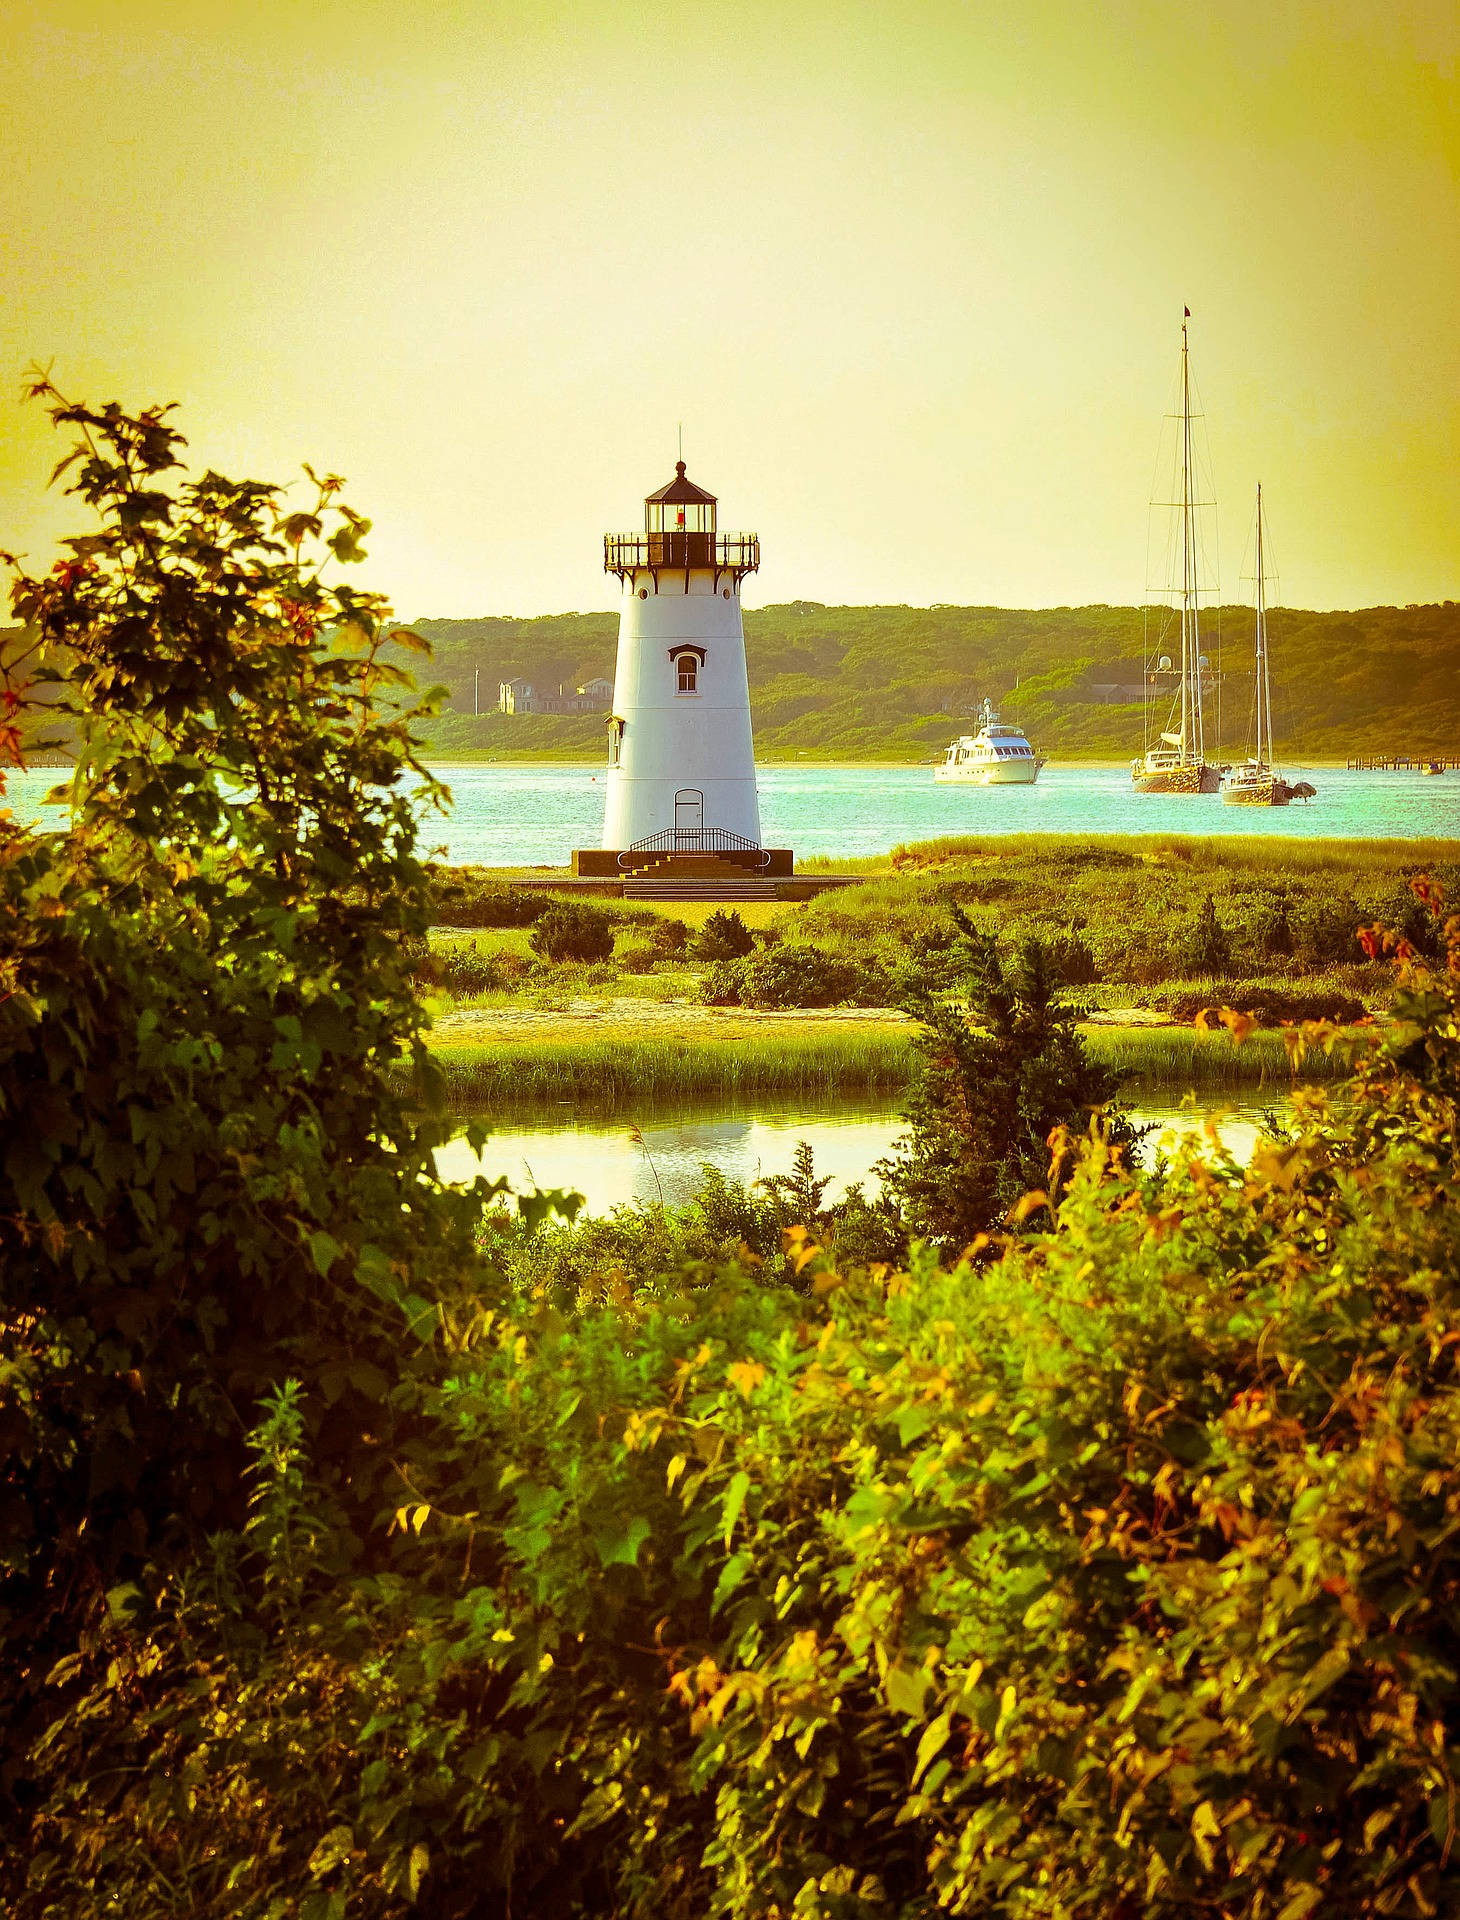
530	815
535	815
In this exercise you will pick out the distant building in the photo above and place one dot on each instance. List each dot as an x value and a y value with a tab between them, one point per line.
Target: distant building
521	696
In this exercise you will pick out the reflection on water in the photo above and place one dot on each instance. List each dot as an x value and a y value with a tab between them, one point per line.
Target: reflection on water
613	1162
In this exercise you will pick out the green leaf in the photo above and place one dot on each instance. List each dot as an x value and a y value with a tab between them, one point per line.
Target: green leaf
617	1544
906	1690
336	1847
1304	1900
935	1738
732	1574
345	543
420	1861
124	1601
734	1504
324	1250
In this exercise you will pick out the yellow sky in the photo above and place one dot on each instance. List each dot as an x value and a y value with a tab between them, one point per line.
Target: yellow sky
911	276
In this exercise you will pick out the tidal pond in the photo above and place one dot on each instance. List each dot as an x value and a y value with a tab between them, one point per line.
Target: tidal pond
614	1161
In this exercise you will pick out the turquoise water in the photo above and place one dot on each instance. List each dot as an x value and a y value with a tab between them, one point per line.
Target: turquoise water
613	1162
536	815
528	815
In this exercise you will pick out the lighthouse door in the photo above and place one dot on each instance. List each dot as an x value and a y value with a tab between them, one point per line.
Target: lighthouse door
689	816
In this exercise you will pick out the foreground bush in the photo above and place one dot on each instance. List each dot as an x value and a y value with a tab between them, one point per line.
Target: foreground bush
572	932
1116	1576
1111	1571
459	967
207	1177
463	897
724	936
790	974
1272	1006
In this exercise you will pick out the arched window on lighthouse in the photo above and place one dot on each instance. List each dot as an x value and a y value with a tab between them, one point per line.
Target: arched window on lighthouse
687	662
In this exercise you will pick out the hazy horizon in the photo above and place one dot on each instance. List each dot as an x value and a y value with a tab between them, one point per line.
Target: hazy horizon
912	283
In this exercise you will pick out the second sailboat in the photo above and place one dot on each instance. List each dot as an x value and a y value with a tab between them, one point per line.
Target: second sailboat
1258	783
1177	762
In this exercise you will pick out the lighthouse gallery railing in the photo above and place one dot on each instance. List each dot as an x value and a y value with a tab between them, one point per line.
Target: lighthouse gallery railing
735	553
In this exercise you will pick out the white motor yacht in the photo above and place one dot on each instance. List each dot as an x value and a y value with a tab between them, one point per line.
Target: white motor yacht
995	756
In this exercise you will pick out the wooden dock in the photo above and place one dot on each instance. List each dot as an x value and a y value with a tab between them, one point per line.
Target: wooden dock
1400	762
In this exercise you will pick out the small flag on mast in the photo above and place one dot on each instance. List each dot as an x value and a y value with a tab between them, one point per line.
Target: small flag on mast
1187	312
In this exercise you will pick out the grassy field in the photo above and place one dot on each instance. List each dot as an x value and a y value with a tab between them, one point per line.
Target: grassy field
1281	912
1155	925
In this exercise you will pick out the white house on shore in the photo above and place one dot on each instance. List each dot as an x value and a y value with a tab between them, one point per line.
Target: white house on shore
521	696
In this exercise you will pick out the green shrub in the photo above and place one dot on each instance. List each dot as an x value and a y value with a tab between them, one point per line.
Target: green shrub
569	931
724	936
464	969
207	1177
1273	930
1326	933
996	1083
721	984
669	938
1272	1006
638	959
790	974
799	976
1074	959
457	968
459	897
1207	949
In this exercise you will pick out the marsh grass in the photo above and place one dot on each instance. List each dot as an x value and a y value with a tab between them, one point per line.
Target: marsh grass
1255	853
1181	1059
600	1074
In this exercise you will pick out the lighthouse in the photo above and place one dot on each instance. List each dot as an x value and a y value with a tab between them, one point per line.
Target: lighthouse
681	796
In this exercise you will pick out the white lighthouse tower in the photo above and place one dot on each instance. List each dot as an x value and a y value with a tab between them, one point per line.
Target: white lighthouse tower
681	780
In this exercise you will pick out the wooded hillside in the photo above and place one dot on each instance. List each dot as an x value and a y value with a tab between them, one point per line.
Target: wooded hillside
896	683
893	682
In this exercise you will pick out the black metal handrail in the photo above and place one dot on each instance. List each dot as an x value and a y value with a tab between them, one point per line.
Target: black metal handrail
737	553
694	840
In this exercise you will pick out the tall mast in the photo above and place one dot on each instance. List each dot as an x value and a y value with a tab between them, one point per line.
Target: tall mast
1193	743
1264	689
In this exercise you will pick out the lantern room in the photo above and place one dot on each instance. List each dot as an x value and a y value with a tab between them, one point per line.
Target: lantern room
681	507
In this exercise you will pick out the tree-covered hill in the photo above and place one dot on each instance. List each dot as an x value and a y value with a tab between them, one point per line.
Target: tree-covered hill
895	682
849	683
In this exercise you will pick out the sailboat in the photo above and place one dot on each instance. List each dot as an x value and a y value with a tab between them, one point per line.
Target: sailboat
1258	783
1178	762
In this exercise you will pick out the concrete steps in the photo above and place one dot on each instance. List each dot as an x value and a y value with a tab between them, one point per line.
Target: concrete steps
700	890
